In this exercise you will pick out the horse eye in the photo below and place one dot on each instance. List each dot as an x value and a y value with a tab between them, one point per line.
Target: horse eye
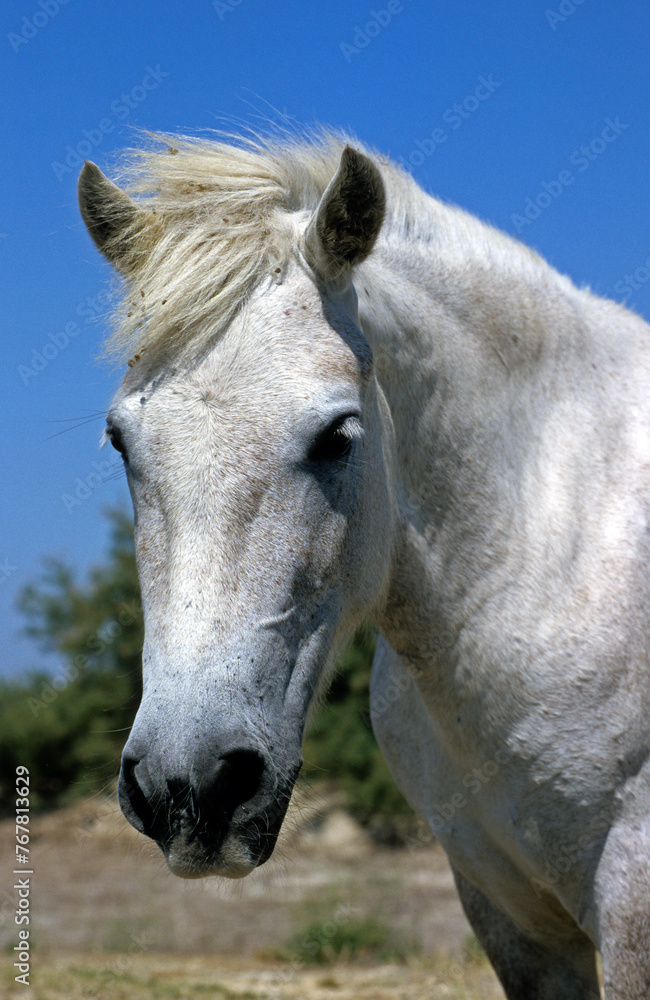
115	437
334	444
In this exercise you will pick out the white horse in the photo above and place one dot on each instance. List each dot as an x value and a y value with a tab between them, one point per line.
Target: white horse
350	402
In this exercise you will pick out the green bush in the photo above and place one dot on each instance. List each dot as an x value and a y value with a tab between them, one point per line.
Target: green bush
322	943
68	730
345	940
65	738
340	745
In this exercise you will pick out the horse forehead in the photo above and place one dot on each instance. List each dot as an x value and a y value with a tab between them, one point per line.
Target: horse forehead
287	340
289	347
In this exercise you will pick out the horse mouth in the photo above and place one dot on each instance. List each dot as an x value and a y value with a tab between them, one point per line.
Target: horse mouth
197	851
191	858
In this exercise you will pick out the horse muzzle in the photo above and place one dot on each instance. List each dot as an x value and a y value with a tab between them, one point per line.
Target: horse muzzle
222	818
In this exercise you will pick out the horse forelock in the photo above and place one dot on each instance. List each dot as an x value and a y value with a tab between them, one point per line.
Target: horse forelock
223	219
225	222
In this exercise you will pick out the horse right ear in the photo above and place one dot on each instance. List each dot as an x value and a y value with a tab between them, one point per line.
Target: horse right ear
113	220
347	221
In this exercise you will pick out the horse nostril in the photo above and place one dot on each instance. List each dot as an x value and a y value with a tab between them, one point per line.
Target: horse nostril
200	802
132	799
235	780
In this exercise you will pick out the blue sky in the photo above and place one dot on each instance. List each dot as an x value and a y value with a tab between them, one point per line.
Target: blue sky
534	116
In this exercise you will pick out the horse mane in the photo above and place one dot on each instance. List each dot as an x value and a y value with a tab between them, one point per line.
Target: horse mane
225	221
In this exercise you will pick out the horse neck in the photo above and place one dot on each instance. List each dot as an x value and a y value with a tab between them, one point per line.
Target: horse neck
461	335
461	354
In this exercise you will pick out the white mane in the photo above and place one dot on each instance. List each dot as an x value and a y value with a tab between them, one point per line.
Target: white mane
226	221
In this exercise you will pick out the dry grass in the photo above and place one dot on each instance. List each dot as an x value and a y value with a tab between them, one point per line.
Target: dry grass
165	977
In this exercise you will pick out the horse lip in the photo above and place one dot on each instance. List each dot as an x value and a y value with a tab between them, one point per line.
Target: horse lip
234	857
194	868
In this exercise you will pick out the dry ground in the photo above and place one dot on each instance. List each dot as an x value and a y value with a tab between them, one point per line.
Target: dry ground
109	921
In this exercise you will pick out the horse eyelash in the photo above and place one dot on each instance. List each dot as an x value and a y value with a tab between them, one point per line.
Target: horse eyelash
351	429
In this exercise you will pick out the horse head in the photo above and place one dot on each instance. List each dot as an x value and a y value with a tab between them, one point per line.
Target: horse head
258	461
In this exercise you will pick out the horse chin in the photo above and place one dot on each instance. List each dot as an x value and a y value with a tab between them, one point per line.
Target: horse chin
233	859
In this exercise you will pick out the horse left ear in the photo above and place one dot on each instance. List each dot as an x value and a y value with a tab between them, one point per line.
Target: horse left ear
114	221
348	219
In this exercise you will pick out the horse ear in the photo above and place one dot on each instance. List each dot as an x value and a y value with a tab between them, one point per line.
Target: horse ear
112	218
347	221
